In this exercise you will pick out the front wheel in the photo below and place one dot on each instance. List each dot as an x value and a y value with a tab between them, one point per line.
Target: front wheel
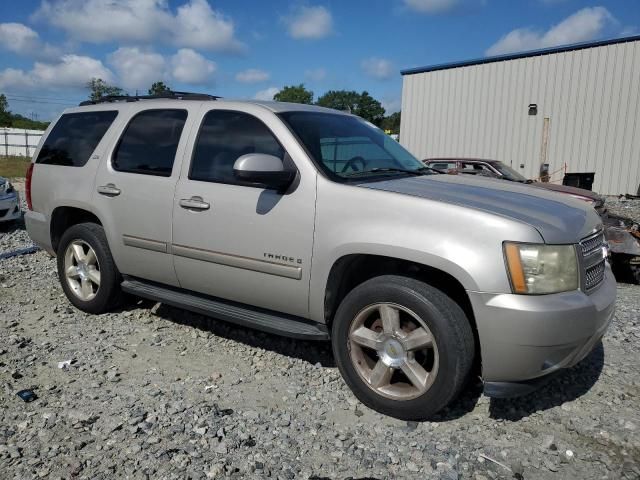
403	347
86	270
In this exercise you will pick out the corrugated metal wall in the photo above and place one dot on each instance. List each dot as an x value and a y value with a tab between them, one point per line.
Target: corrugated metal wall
590	96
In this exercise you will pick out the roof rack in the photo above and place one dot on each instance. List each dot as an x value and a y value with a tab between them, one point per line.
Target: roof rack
161	96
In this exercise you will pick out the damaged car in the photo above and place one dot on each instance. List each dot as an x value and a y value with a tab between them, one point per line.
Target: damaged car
622	234
9	201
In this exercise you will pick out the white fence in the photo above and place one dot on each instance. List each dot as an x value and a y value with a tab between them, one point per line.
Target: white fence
19	142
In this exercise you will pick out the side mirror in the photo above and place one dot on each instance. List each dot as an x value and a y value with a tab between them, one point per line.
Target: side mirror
262	170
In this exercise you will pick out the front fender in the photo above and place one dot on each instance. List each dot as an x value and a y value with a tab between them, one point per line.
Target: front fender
462	242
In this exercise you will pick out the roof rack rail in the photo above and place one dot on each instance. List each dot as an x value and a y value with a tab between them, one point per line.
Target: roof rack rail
161	96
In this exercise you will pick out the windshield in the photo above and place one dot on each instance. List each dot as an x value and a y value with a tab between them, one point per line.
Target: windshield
508	172
349	147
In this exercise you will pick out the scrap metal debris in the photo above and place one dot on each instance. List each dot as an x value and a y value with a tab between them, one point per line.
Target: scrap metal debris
20	251
27	395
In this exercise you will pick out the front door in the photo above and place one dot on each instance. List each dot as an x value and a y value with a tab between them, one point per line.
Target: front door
235	241
134	191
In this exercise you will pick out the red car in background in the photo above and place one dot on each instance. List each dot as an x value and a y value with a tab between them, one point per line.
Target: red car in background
497	169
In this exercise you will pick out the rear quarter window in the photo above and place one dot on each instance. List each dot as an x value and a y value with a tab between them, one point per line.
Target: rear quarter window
74	138
149	143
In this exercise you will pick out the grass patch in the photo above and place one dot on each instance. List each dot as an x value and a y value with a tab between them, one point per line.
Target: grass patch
14	167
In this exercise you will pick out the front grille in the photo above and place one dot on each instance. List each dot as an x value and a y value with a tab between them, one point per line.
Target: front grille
594	275
592	243
3	212
593	263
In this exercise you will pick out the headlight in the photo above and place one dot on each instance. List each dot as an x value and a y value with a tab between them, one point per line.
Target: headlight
536	269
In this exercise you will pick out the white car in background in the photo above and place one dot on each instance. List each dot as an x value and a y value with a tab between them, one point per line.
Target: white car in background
9	201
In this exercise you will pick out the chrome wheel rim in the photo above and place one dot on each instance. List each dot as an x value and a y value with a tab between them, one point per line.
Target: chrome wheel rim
82	270
393	351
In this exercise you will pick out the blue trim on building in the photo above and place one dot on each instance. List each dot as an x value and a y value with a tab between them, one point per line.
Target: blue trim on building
515	56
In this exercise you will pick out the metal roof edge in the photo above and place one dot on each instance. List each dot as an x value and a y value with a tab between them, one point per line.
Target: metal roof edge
515	56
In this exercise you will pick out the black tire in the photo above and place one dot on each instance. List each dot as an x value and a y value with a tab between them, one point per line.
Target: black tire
450	329
109	295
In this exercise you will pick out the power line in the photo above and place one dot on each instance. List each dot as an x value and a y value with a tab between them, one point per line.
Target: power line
11	99
40	97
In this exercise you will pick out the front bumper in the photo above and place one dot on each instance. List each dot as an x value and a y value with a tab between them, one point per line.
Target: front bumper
10	207
526	337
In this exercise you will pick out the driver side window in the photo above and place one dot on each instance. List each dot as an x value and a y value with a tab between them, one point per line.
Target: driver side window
336	152
224	137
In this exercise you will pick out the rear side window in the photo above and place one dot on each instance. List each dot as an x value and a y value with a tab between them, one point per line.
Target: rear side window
149	143
74	138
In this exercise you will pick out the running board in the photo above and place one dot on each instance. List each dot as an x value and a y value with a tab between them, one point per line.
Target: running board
245	316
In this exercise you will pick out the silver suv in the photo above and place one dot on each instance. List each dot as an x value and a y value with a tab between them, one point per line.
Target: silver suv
312	223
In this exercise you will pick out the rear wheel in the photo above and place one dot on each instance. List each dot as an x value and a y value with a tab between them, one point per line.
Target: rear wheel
86	270
404	348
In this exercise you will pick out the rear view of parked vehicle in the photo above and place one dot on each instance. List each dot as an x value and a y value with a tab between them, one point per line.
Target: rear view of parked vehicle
302	221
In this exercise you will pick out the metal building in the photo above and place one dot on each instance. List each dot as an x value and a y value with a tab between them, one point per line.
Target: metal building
577	105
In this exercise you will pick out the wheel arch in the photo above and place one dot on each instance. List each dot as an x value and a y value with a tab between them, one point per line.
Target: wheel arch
63	217
351	270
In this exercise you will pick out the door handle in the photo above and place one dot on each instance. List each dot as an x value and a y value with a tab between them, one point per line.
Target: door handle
110	190
194	203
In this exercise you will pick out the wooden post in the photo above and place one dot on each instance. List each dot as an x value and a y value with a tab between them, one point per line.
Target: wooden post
6	143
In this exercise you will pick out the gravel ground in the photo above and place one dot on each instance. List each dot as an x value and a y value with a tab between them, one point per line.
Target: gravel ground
156	392
624	207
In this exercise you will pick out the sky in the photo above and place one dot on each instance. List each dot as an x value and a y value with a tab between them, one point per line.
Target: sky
49	49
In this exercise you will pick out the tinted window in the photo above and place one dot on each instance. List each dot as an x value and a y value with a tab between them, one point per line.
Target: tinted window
443	166
74	138
224	137
149	143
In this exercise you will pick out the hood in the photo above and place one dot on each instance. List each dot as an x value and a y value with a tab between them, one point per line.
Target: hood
558	218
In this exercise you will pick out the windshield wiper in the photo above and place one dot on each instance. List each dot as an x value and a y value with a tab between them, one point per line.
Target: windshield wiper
431	169
417	172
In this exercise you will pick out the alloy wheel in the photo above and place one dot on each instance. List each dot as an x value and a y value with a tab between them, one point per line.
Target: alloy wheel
393	351
82	270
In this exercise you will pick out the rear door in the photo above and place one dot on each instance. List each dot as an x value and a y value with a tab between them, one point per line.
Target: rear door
236	241
134	190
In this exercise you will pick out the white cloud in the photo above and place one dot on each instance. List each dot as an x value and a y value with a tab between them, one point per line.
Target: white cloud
379	68
431	6
16	78
266	94
310	23
199	26
195	24
584	25
20	39
137	68
252	75
72	71
315	74
188	66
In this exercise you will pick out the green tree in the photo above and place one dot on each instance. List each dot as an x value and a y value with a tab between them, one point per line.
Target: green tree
158	88
5	114
99	88
370	109
294	94
340	100
392	123
361	104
